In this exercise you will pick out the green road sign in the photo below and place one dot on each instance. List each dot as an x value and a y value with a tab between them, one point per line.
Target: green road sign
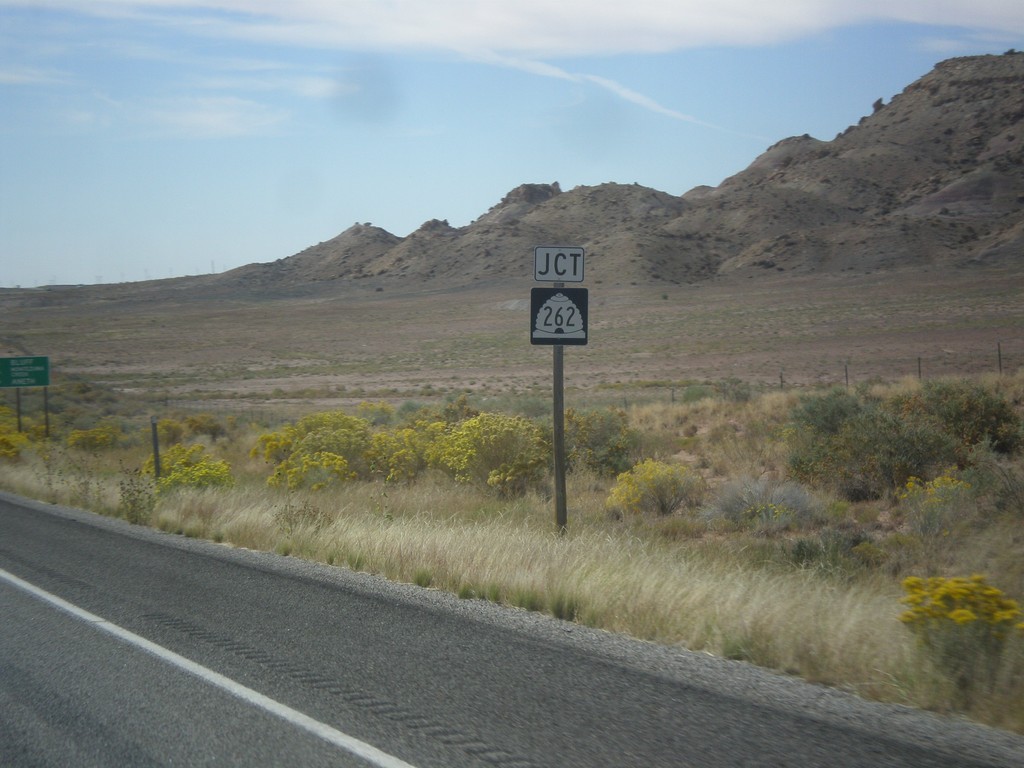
24	372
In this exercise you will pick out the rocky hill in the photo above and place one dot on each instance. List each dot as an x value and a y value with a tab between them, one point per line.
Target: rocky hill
934	177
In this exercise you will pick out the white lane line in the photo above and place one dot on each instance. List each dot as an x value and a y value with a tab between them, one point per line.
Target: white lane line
331	735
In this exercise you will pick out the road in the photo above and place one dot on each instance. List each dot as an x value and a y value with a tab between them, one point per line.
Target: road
120	645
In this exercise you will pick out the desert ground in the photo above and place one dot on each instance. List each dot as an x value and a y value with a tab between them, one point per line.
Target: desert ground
344	343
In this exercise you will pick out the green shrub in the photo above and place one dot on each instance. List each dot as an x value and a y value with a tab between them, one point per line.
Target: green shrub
137	497
814	426
497	451
824	415
862	450
764	506
876	453
656	487
601	440
454	411
734	390
968	412
998	478
377	414
835	553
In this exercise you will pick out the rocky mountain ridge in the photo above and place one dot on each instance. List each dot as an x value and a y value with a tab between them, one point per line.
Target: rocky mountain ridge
932	179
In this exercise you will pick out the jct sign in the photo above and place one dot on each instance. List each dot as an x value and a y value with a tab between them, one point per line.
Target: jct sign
24	372
558	264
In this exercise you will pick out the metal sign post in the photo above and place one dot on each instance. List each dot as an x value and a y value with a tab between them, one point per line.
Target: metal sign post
558	317
558	435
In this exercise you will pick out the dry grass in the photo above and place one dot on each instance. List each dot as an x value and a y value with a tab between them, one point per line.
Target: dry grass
732	596
704	595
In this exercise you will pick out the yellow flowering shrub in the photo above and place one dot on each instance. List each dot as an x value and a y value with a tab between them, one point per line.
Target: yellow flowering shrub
105	435
656	487
493	450
12	442
188	466
963	623
401	454
204	424
169	431
933	506
312	470
958	600
317	450
275	447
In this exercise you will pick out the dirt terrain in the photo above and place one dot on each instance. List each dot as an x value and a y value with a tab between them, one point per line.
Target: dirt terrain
343	346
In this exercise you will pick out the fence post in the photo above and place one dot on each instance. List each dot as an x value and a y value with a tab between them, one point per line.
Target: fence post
156	448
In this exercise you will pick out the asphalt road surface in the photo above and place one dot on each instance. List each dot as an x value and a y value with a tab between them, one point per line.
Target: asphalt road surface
120	645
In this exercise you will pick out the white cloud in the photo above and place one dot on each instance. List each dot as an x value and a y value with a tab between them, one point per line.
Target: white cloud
212	117
540	28
530	35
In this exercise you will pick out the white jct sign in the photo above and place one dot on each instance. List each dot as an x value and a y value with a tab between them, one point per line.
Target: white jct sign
558	264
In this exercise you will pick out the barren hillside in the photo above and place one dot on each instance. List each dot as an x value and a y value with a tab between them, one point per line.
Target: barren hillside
934	177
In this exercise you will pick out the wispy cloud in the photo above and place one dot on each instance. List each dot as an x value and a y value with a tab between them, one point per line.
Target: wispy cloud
643	101
308	86
28	76
540	28
211	117
612	86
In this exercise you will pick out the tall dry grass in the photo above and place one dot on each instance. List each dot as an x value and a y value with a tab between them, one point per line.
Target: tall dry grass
731	593
706	595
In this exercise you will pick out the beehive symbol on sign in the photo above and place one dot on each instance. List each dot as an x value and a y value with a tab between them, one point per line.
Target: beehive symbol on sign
559	318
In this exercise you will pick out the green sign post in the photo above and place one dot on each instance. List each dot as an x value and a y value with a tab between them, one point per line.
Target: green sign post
19	372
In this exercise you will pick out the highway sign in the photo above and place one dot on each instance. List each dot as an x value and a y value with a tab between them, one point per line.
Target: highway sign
558	316
558	264
24	372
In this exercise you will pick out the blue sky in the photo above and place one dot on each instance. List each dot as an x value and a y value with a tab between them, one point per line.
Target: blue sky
144	139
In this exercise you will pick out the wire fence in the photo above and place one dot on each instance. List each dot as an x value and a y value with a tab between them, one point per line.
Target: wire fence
1002	359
